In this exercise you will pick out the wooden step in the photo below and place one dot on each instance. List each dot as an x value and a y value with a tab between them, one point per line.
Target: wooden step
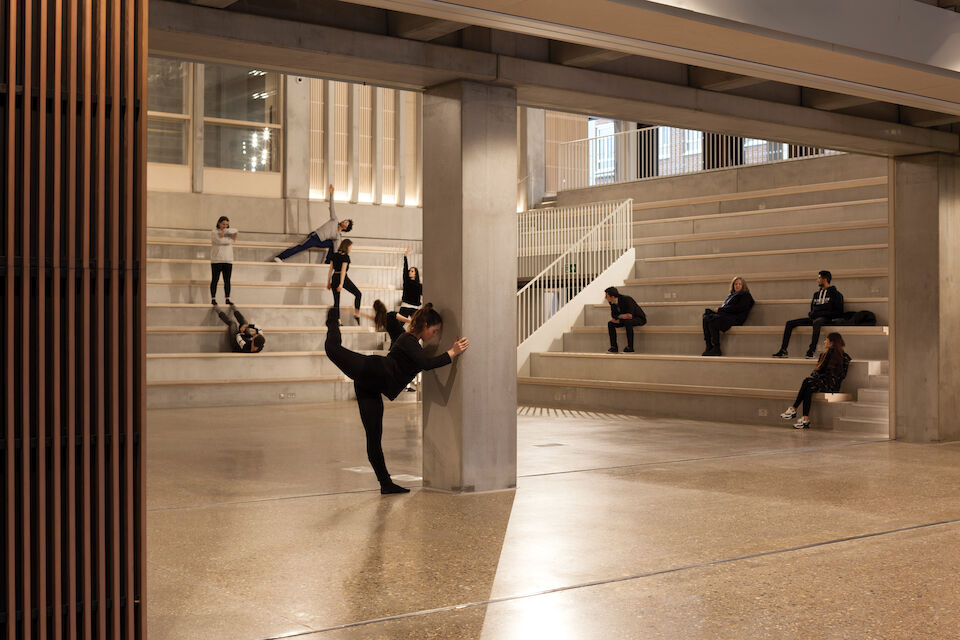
753	212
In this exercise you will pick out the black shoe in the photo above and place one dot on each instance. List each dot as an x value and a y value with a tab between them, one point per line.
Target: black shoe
612	350
213	302
392	488
780	354
628	350
810	352
228	302
713	351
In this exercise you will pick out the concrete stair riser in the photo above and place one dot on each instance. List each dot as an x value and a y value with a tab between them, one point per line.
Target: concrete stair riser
270	272
746	242
866	411
247	394
213	342
873	396
265	254
861	425
802	289
767	374
820	215
733	345
762	314
642	211
814	261
291	295
675	405
220	366
174	316
880	382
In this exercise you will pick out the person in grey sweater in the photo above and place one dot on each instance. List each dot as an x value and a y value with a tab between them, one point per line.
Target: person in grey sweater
326	236
221	257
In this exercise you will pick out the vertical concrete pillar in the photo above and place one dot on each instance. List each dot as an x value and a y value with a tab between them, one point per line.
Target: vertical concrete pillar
626	151
400	147
470	274
376	130
296	154
533	163
925	297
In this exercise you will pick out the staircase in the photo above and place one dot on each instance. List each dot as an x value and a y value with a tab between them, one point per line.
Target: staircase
775	225
189	363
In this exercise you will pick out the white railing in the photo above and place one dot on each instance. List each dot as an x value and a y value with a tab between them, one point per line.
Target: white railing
576	244
664	151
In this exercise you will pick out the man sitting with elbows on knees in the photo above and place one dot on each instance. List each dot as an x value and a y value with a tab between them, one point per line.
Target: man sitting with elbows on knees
626	313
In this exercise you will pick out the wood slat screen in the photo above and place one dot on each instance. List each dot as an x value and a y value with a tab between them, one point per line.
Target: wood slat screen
72	82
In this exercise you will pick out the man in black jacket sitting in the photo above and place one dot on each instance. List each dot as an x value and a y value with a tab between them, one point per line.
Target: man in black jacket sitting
624	312
826	305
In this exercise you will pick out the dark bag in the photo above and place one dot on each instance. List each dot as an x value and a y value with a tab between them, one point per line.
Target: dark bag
865	318
642	317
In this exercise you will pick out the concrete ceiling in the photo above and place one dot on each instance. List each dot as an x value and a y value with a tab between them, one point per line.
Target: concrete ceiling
649	62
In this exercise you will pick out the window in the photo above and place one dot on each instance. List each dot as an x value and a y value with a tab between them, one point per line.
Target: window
692	142
241	118
753	142
602	150
664	138
168	111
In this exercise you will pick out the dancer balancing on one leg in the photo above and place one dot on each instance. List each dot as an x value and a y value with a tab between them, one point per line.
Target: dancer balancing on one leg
337	278
388	375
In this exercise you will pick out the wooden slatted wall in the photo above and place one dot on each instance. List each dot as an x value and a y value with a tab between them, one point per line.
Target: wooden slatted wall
72	79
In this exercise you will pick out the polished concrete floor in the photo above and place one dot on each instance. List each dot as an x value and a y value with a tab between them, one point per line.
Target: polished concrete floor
266	523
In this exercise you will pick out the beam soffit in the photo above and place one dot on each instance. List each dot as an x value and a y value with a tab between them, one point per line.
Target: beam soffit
183	31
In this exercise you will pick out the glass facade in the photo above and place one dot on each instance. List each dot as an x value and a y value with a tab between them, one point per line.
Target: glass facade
168	107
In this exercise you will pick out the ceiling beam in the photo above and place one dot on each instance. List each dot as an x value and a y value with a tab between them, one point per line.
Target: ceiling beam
923	118
411	27
216	4
829	101
195	33
578	55
713	80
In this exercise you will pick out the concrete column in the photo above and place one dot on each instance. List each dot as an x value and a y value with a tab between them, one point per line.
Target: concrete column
626	151
329	133
925	297
376	130
418	156
296	153
353	144
533	156
470	274
196	149
400	147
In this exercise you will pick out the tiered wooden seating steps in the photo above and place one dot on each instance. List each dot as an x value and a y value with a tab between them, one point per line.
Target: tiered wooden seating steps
777	236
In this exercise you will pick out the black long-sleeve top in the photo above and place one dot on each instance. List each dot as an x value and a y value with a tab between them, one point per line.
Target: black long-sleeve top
626	304
405	360
826	303
737	305
412	290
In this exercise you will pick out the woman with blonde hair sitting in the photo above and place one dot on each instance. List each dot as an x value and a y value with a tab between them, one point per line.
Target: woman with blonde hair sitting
732	313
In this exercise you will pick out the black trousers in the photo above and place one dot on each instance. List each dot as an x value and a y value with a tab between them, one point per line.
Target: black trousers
713	324
816	323
628	324
233	326
805	395
349	286
358	367
312	241
216	268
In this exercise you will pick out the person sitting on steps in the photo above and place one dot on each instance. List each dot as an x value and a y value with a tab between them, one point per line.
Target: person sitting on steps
733	312
624	312
326	236
243	337
827	377
826	305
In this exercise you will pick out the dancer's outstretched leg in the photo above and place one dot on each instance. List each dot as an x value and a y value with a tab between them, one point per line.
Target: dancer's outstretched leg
350	362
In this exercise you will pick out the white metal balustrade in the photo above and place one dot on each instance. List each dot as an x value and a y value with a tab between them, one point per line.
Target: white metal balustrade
576	244
664	151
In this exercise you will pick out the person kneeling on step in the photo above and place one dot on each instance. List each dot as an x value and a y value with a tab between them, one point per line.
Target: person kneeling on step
826	305
827	377
624	312
733	312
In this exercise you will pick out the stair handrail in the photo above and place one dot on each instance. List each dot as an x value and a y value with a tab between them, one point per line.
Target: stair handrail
582	262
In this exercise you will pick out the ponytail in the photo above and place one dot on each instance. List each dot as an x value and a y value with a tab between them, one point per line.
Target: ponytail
425	317
379	315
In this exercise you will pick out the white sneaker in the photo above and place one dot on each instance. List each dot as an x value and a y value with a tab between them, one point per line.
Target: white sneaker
278	260
789	414
802	423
